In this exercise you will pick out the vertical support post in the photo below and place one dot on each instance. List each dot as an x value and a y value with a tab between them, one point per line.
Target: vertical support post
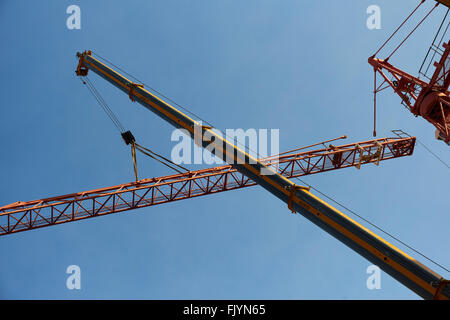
374	102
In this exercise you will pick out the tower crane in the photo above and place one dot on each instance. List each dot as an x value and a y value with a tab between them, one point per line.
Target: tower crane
428	98
30	215
405	269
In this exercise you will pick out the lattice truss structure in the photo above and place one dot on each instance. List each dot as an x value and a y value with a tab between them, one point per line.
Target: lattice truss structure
428	97
22	216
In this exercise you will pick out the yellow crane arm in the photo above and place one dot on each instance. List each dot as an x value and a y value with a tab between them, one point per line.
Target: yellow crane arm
390	259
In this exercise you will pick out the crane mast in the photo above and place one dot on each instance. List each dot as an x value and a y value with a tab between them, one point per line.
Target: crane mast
411	273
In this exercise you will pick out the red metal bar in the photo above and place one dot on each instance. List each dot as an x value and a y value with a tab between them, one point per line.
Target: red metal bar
23	216
428	100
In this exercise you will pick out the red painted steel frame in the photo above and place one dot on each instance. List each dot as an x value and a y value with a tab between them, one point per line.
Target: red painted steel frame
429	100
22	216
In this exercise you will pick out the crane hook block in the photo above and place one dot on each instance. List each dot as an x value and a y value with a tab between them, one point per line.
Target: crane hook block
128	137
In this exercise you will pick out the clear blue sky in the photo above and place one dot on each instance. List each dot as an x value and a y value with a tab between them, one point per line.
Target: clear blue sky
300	66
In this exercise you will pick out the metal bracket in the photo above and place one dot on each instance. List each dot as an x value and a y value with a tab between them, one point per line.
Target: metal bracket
133	86
292	190
442	284
369	157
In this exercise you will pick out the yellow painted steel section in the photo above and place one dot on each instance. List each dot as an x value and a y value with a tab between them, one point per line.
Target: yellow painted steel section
427	286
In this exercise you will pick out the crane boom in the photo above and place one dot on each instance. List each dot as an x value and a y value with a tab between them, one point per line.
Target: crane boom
420	279
30	215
